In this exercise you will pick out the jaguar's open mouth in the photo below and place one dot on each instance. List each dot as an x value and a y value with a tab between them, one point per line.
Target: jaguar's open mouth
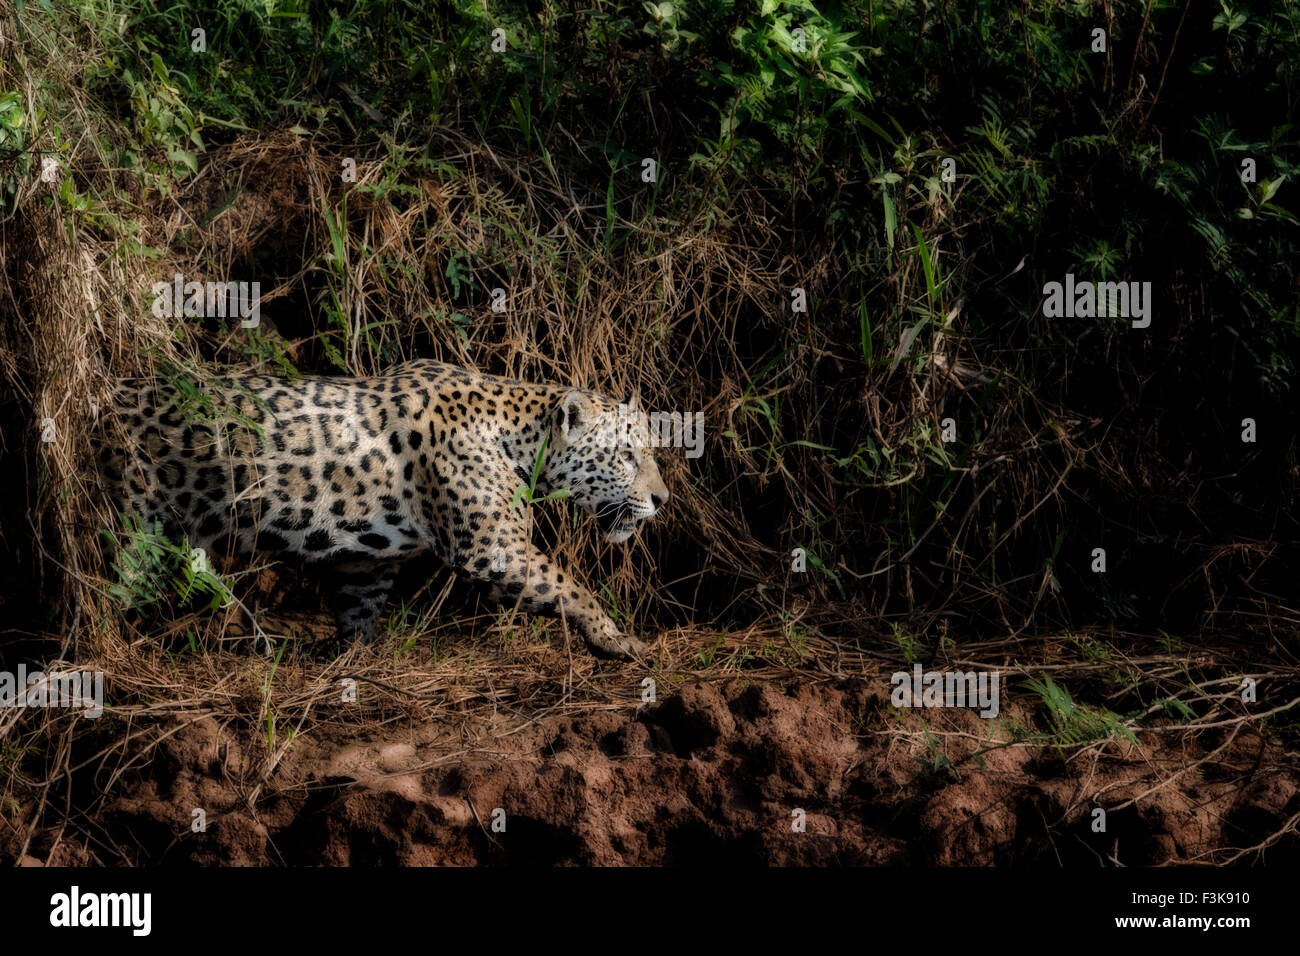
617	524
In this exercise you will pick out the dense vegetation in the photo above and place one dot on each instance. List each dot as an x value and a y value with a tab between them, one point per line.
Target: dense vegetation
802	146
920	170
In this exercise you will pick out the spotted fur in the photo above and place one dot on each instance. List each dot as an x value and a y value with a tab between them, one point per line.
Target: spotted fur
356	475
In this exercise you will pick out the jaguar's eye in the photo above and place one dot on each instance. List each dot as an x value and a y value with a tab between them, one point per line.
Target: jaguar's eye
629	457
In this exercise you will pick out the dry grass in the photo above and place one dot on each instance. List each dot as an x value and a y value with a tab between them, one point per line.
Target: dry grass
662	317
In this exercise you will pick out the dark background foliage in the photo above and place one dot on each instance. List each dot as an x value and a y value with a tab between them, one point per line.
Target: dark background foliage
819	168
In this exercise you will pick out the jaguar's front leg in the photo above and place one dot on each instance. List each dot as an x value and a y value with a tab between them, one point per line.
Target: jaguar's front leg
521	573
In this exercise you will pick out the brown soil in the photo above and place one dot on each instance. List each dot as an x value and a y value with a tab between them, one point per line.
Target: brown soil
711	773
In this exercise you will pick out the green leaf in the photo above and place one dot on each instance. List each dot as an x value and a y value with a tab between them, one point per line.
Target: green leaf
891	217
184	157
864	321
810	444
931	284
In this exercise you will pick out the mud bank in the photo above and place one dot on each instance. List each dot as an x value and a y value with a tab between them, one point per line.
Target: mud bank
727	772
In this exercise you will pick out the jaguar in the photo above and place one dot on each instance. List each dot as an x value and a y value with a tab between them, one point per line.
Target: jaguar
352	477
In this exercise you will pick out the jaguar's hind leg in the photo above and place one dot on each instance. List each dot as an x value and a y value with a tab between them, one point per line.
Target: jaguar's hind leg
357	593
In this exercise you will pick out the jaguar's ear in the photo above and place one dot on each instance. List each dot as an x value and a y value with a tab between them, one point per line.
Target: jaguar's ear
574	415
632	403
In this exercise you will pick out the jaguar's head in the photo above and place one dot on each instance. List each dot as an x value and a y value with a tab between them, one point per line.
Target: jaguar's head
600	451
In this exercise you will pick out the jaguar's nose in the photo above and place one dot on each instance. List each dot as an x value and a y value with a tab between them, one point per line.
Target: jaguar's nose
658	500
